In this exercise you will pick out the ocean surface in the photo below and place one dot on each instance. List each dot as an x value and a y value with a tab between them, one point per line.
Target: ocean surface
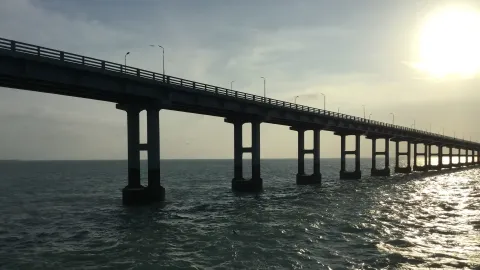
68	215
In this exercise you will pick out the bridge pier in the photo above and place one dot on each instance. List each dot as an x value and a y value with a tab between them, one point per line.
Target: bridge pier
398	169
301	177
386	170
417	168
134	193
440	157
450	157
357	174
239	183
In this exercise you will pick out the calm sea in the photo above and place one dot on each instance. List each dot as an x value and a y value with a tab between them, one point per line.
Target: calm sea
68	215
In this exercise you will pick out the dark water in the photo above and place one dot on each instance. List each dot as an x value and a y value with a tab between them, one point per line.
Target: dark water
68	215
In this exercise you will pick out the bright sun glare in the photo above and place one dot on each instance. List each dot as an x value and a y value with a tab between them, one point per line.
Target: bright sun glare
450	43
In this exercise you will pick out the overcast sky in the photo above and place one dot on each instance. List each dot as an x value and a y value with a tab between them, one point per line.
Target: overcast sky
355	52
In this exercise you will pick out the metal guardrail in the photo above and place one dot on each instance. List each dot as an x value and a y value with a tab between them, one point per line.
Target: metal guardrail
20	47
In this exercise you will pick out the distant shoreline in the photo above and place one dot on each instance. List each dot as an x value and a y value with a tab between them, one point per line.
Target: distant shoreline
163	159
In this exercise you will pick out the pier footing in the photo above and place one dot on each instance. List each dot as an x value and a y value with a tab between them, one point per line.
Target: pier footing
420	168
247	185
142	195
380	172
303	179
403	170
355	175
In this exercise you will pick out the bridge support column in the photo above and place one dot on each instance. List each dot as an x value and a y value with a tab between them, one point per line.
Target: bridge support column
302	178
154	189
440	157
386	170
459	163
239	183
430	166
417	168
472	159
357	174
450	157
134	193
398	169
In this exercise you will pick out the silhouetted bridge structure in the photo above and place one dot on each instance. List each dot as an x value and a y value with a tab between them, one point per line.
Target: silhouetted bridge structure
35	68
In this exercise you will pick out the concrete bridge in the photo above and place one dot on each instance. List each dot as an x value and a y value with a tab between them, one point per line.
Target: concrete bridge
35	68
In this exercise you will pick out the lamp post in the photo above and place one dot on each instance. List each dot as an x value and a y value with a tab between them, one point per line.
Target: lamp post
393	118
369	116
324	98
364	116
163	57
126	58
231	85
413	123
295	100
264	88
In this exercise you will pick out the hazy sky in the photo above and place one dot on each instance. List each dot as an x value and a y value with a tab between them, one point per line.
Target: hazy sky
355	52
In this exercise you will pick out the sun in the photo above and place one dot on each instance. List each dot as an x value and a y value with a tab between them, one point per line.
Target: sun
449	43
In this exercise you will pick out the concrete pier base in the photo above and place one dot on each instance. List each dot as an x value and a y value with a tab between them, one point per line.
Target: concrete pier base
380	172
303	179
355	175
133	196
247	185
420	168
403	170
142	195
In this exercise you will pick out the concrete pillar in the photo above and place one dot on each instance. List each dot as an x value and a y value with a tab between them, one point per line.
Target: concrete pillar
357	153
450	157
374	170
239	183
459	155
429	156
357	174
397	155
237	151
408	168
155	191
133	138
409	156
342	154
415	155
301	152
316	152
440	157
425	157
387	155
256	151
316	177
472	157
374	154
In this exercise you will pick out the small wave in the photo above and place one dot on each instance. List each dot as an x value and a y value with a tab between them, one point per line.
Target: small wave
400	243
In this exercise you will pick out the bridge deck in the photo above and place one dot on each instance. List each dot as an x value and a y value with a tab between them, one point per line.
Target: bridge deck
35	68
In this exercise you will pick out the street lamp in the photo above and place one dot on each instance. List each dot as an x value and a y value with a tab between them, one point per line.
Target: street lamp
393	118
413	123
264	88
296	99
364	116
163	57
231	85
324	98
369	116
126	58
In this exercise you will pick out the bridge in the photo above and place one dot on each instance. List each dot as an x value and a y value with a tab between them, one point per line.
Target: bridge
34	68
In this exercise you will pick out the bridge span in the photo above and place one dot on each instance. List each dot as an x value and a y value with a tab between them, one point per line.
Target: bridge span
34	68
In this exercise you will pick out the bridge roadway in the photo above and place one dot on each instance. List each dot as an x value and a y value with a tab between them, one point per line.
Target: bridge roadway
30	67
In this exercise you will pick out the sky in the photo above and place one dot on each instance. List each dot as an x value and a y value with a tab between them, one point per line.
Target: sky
354	52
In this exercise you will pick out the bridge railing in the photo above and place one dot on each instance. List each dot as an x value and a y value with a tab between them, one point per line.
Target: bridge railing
20	47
